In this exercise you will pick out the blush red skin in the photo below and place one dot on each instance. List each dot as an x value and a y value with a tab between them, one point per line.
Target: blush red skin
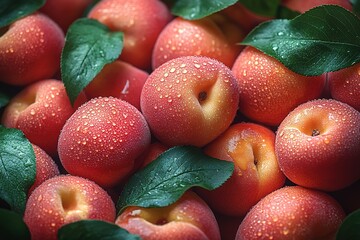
118	79
44	214
102	140
344	85
245	187
140	21
43	119
188	218
172	108
269	90
30	50
46	168
215	36
329	161
293	213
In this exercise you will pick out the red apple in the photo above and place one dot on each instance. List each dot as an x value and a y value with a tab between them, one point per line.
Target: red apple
344	85
118	79
317	145
251	147
293	213
214	36
102	140
188	218
65	199
269	90
189	100
30	50
141	22
40	110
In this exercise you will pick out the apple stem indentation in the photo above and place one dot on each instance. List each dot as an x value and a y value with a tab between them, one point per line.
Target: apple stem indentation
315	132
202	96
161	221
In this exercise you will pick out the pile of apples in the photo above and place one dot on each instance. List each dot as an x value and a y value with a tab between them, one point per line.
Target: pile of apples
294	140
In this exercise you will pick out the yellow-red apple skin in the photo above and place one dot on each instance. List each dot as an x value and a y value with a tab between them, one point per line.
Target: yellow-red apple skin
344	85
328	160
214	36
293	212
74	9
65	199
141	22
188	218
103	139
305	5
243	144
189	100
30	50
118	79
46	167
269	90
40	110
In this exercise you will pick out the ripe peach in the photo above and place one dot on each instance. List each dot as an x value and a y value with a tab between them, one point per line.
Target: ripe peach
214	36
141	22
189	100
74	9
118	79
30	50
269	90
65	199
154	151
317	145
344	85
292	213
188	218
305	5
252	149
102	140
40	110
46	168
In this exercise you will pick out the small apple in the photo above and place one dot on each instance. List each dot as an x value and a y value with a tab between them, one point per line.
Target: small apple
189	100
188	218
293	212
30	50
65	199
103	140
317	145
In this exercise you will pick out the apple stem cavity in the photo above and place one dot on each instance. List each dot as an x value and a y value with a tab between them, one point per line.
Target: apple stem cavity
315	132
202	96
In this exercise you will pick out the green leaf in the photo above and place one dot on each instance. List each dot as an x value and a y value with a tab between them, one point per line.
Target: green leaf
164	180
356	6
94	230
4	99
323	39
12	226
266	8
349	229
17	167
191	10
11	10
89	45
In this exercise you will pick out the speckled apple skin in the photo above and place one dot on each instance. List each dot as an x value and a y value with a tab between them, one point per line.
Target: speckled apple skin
103	139
65	199
269	90
328	161
30	50
292	213
172	103
188	218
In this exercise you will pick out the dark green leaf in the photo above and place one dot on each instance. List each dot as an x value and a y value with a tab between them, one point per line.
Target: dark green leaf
266	8
4	99
191	10
12	226
17	167
89	45
163	181
94	230
11	10
323	39
356	6
350	228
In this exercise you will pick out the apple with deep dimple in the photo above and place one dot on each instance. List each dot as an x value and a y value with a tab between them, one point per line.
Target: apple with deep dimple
317	145
189	100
